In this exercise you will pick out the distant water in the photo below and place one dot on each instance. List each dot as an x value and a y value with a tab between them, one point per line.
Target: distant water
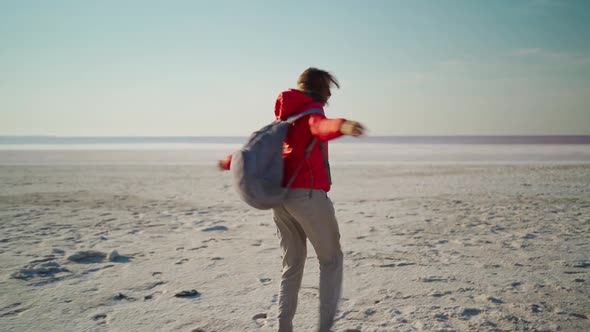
180	142
385	151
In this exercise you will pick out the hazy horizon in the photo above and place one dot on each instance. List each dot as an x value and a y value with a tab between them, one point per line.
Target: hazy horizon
17	142
195	68
241	136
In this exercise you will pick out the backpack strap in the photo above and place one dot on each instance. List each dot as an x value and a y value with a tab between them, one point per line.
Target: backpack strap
326	161
307	153
296	117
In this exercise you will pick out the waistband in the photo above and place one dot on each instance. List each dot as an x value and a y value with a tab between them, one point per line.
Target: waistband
306	193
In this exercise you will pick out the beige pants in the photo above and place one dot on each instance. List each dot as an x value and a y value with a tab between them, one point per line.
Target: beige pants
308	214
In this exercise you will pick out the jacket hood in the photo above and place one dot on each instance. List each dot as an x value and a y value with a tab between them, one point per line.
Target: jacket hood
293	102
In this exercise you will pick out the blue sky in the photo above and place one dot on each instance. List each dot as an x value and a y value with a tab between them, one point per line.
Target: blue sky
214	68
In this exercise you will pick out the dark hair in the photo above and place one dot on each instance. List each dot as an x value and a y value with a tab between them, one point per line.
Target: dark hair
315	81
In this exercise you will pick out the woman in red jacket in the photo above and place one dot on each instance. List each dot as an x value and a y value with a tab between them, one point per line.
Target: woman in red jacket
307	212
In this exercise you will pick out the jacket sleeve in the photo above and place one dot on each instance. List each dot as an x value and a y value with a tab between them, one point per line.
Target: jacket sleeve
226	163
325	129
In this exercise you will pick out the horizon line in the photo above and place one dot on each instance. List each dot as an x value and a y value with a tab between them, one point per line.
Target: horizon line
234	136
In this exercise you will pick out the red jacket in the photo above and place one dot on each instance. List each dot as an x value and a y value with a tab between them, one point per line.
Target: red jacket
301	133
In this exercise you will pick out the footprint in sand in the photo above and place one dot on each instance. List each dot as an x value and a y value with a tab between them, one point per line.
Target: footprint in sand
441	317
370	312
439	294
114	256
467	313
92	256
218	228
181	261
260	318
265	281
582	265
153	285
435	279
99	317
399	264
39	268
120	297
13	310
193	293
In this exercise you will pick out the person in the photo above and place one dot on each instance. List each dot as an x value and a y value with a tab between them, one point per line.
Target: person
308	212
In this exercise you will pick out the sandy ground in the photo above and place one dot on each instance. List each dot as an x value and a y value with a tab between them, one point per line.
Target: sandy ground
484	238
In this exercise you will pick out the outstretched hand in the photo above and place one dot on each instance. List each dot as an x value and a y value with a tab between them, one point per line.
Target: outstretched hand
352	128
222	165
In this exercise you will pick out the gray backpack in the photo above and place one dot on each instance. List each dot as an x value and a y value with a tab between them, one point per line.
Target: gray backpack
257	168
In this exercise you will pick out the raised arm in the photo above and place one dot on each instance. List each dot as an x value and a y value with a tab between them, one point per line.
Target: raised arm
325	129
